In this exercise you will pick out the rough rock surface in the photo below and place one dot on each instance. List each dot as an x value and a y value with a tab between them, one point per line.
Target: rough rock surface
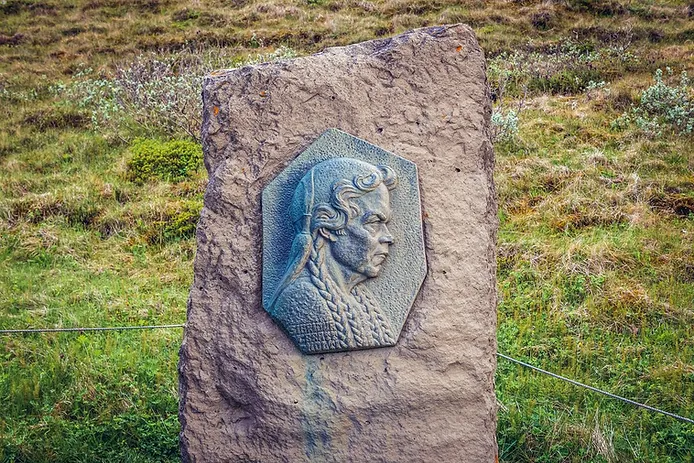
247	393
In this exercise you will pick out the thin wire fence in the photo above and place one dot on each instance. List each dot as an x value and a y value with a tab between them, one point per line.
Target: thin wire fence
97	328
506	357
595	389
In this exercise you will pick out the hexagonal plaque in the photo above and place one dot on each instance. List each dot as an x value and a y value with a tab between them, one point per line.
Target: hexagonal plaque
343	249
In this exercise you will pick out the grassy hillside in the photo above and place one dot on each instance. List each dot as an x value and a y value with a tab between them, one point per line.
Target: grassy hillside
101	186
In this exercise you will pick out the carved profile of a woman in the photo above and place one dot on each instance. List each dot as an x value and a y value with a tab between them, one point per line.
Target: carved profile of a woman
339	211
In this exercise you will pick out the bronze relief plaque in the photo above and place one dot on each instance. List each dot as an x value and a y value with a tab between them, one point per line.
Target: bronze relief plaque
343	249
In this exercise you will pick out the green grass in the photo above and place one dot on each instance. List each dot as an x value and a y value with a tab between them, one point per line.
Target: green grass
81	245
595	254
596	245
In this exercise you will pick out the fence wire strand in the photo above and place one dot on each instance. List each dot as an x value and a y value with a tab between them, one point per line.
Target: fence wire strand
595	389
97	328
510	359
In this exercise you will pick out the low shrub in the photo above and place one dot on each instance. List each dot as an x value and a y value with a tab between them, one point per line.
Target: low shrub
183	223
662	108
152	95
172	160
504	124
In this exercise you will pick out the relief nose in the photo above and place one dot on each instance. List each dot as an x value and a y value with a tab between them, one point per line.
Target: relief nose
387	237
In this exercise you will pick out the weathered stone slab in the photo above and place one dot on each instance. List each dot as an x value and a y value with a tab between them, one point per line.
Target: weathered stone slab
247	393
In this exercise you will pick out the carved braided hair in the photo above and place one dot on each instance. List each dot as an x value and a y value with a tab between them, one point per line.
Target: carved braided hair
379	325
344	316
335	304
346	323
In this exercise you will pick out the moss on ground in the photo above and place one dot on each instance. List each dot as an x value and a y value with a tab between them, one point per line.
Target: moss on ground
172	160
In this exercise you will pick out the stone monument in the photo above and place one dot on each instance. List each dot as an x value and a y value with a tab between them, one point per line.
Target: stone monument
344	303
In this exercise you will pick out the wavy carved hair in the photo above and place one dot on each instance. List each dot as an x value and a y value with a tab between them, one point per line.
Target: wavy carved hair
342	207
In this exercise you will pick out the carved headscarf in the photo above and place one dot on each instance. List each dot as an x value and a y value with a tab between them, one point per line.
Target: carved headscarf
323	199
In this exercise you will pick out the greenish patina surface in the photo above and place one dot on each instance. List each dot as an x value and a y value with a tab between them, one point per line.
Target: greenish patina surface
343	250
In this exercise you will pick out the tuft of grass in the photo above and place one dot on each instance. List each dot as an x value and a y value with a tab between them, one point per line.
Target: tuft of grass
56	118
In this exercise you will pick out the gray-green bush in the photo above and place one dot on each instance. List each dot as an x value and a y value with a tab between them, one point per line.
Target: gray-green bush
662	108
152	94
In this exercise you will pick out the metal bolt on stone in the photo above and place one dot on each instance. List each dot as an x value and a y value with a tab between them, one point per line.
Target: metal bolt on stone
344	306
